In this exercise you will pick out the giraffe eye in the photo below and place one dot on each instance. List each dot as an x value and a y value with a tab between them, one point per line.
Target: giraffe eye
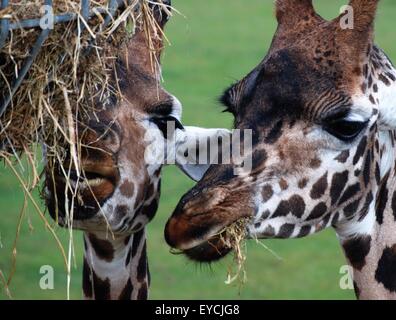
165	123
343	129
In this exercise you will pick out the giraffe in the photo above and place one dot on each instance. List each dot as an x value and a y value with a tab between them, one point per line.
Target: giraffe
121	191
321	108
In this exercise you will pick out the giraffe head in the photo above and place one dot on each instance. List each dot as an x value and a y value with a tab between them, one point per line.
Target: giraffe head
118	189
317	106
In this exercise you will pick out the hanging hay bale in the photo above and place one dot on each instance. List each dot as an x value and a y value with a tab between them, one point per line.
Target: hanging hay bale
72	77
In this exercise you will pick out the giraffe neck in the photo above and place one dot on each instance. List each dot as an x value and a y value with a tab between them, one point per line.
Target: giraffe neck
115	268
370	244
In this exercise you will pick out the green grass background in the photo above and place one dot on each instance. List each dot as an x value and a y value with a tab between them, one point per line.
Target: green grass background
214	43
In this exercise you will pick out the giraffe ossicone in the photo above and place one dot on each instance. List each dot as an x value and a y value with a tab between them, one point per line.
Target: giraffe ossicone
321	106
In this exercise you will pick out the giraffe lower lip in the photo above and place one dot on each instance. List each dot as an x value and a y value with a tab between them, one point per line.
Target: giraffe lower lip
210	250
212	246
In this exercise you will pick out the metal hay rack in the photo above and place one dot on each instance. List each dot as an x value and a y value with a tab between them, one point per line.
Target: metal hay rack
6	26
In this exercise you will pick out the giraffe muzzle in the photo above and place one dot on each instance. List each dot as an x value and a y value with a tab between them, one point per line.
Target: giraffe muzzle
197	226
197	242
81	193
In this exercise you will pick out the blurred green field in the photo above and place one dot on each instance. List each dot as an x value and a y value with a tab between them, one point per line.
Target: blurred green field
213	44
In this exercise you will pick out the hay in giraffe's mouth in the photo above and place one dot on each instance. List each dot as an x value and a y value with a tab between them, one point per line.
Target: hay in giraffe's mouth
216	247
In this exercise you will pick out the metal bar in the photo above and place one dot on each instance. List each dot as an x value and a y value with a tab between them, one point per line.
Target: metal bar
27	64
62	18
85	9
82	28
111	11
113	7
4	25
34	23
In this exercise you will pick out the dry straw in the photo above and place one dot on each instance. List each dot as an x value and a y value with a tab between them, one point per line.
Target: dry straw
233	237
70	80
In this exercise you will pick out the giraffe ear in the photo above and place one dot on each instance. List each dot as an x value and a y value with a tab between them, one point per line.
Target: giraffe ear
193	149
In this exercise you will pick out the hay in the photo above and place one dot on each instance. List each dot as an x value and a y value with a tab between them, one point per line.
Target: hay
233	237
70	80
71	61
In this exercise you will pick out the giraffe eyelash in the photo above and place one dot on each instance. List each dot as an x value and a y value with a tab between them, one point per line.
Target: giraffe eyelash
344	129
229	99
